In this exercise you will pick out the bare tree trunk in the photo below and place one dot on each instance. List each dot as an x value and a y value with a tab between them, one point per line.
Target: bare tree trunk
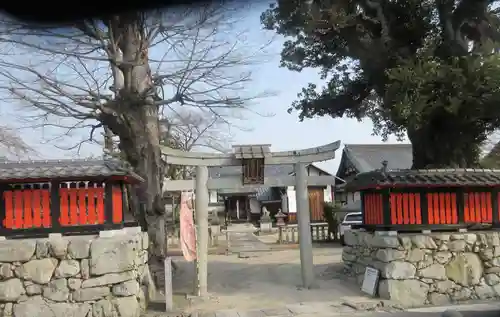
108	140
138	131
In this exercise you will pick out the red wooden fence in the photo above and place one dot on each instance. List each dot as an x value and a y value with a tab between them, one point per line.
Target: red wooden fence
405	208
442	208
31	208
374	210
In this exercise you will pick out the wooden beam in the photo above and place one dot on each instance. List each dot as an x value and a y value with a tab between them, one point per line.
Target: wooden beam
235	183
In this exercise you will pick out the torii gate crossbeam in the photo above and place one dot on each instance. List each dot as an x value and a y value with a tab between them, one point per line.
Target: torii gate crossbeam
202	184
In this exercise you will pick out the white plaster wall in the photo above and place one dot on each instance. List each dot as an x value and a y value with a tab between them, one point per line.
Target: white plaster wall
351	197
284	203
357	196
292	204
254	206
328	194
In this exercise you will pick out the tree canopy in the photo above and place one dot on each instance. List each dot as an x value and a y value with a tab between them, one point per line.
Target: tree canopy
426	68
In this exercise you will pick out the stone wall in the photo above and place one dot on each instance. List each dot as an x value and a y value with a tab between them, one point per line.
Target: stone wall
418	269
79	276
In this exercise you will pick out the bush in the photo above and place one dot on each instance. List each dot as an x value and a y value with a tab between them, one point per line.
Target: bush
330	215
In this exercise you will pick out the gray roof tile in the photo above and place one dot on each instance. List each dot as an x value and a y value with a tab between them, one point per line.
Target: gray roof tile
64	169
368	157
251	151
435	177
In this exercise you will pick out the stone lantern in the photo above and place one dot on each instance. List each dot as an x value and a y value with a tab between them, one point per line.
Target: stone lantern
280	218
280	223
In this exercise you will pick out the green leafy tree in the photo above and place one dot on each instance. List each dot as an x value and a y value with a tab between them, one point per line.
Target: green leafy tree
428	69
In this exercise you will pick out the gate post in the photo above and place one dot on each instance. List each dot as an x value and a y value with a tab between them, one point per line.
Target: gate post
304	221
201	212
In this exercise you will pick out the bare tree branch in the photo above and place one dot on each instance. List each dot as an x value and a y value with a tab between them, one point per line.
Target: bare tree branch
11	143
129	71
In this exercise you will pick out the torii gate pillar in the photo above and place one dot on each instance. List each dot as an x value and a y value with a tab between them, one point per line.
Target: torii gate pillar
304	220
201	215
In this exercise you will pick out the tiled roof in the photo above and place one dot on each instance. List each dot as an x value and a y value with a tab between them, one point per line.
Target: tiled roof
433	177
368	157
251	151
64	169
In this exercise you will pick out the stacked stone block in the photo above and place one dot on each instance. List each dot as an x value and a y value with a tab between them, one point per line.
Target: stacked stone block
80	276
418	269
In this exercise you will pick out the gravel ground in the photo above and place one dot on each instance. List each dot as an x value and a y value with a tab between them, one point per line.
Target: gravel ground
264	279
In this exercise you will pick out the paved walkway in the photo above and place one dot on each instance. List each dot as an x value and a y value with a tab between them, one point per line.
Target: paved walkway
242	239
245	242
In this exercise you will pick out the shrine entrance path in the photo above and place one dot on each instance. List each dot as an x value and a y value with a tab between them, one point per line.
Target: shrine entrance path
264	280
242	240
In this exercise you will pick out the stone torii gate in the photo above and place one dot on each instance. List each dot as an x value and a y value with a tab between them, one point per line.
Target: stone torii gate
252	159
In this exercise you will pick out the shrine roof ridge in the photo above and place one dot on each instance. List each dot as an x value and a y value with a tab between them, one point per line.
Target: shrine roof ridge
65	169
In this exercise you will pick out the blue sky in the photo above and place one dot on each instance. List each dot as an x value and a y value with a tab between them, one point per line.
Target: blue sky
282	130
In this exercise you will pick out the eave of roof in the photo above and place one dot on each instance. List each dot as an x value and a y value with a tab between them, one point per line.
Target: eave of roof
444	178
87	169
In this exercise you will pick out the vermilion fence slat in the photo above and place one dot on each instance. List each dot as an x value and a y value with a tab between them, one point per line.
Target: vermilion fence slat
46	221
73	207
82	206
37	208
442	210
100	205
8	197
64	207
117	205
418	210
91	212
18	209
28	205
